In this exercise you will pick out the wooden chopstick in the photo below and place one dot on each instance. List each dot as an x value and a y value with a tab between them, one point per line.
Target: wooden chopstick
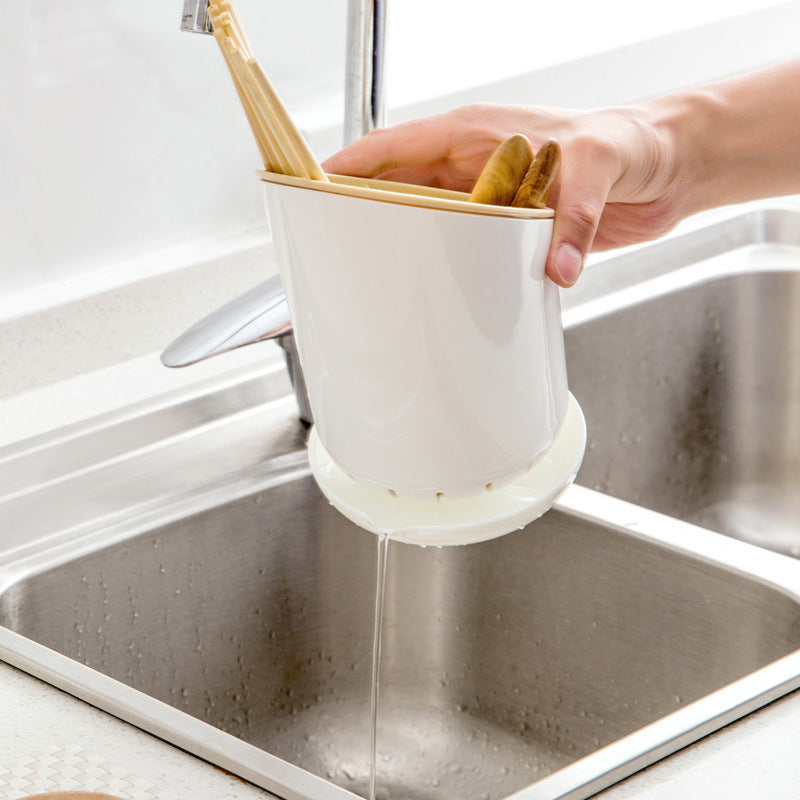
271	151
281	145
267	153
228	7
283	126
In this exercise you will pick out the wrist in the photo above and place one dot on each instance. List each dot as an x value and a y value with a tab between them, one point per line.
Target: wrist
735	140
690	127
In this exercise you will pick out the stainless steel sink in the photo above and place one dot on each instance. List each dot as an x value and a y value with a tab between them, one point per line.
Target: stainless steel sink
690	379
502	662
196	583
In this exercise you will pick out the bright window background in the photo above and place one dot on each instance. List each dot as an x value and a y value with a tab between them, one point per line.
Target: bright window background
440	46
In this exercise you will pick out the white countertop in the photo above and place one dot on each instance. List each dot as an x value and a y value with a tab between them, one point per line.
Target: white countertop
37	718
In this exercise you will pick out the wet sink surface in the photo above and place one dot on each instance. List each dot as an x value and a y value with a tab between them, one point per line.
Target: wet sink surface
692	395
231	613
502	662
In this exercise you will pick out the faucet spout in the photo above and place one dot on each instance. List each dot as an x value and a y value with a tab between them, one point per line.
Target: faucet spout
262	313
195	17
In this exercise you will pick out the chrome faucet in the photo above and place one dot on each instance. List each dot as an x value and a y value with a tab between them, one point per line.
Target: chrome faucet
262	312
195	17
364	95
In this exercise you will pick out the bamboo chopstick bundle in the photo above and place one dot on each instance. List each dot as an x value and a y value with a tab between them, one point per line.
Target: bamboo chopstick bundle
280	144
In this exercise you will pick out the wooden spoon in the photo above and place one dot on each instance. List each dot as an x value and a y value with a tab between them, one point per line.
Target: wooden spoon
498	182
540	179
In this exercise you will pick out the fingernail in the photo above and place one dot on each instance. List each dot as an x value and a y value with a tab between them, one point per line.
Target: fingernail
568	263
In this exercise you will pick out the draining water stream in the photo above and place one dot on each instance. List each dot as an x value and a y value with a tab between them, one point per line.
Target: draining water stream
377	631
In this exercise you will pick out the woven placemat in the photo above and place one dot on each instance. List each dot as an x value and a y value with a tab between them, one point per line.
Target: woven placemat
63	768
72	796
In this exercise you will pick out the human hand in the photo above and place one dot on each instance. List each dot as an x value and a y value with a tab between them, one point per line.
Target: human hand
619	183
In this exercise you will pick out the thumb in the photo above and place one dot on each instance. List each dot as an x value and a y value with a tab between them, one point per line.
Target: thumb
582	197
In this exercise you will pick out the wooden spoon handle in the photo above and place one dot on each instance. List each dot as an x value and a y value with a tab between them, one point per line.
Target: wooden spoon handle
505	169
540	179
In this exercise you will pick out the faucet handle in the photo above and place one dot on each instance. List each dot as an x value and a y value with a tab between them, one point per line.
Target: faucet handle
195	17
259	314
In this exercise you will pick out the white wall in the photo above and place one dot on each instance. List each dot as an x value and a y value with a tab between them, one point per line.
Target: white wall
120	136
441	46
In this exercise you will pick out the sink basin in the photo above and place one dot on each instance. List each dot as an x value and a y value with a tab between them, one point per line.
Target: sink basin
204	590
502	662
690	380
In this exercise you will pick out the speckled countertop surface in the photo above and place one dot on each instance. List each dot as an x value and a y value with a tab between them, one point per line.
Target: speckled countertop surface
39	721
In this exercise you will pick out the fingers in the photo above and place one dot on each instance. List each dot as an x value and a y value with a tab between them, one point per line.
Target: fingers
411	144
450	149
587	176
366	158
447	150
437	174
